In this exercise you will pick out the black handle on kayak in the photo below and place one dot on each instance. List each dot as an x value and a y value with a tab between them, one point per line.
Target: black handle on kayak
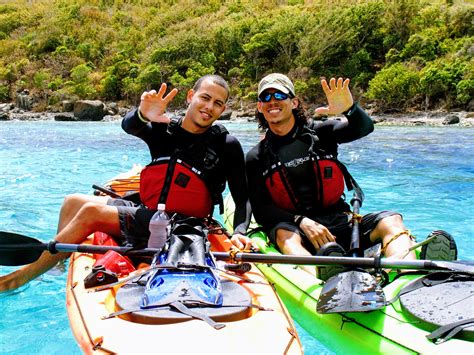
106	191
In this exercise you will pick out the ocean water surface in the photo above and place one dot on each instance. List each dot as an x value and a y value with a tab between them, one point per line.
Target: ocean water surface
426	173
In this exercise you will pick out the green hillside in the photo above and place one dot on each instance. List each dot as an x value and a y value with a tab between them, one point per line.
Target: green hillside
400	54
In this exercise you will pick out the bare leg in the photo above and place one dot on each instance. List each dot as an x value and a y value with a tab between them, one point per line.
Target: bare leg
73	203
91	217
291	243
386	229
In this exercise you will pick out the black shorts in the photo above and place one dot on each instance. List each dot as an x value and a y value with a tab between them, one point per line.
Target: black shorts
339	225
134	222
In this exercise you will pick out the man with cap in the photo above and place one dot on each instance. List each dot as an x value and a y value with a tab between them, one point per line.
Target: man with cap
296	183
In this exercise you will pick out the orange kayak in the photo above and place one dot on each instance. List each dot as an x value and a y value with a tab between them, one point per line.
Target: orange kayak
264	326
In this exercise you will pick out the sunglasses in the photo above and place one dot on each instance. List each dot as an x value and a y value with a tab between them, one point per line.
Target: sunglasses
277	95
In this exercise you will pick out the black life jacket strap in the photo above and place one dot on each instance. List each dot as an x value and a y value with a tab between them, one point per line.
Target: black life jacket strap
448	331
214	133
168	179
180	307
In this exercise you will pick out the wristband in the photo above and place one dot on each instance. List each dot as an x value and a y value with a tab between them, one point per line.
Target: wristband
297	219
141	117
351	109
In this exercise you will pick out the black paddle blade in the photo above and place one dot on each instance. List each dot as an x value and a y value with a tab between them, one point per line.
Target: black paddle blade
17	249
351	291
461	266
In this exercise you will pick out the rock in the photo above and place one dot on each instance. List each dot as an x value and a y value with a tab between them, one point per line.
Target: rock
436	114
68	106
226	115
123	111
65	117
378	119
89	110
112	109
245	113
451	119
6	107
470	106
4	116
24	101
112	118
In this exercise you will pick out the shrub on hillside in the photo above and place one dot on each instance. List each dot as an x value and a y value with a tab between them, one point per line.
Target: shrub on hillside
395	86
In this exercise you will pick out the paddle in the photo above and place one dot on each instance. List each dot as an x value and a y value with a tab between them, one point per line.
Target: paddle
106	191
353	290
17	249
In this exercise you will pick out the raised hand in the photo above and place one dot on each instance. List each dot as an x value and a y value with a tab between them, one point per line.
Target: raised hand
338	95
153	104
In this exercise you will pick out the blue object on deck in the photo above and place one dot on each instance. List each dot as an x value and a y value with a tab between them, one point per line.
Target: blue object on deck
188	272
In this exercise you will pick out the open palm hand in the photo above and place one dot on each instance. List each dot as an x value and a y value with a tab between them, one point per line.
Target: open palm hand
338	95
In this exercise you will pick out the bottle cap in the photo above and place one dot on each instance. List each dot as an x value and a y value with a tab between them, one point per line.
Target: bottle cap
161	206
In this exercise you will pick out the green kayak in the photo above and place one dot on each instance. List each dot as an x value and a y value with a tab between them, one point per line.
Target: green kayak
445	310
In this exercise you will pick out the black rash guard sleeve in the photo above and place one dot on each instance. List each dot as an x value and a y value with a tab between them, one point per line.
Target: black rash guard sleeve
357	125
234	166
153	134
330	133
134	125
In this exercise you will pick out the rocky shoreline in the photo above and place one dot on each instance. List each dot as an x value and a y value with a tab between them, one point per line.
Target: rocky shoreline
93	110
429	118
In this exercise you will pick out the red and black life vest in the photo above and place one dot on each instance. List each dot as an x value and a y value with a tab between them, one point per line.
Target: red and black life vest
330	176
187	181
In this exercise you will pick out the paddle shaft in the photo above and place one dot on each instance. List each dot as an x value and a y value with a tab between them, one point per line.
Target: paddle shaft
54	247
355	238
336	260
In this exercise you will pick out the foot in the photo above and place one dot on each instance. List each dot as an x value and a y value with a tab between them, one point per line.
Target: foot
442	247
324	272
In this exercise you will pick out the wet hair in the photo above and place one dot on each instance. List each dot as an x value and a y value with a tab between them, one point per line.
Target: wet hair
299	113
216	79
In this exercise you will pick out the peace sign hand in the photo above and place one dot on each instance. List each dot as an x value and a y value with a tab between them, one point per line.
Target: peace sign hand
338	95
153	104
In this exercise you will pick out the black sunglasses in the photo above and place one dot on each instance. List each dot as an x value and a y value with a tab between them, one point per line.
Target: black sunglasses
279	96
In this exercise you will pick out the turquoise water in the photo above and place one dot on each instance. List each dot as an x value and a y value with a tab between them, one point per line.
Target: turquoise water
426	173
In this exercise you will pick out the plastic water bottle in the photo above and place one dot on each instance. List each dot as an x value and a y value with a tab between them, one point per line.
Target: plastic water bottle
158	228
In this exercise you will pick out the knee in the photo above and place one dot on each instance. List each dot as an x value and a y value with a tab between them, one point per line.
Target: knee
387	226
284	237
73	200
390	222
90	212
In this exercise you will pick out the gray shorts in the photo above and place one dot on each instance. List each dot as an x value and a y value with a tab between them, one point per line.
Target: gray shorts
339	225
134	222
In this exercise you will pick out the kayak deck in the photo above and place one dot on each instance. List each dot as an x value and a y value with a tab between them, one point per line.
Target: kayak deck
263	327
248	334
385	331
